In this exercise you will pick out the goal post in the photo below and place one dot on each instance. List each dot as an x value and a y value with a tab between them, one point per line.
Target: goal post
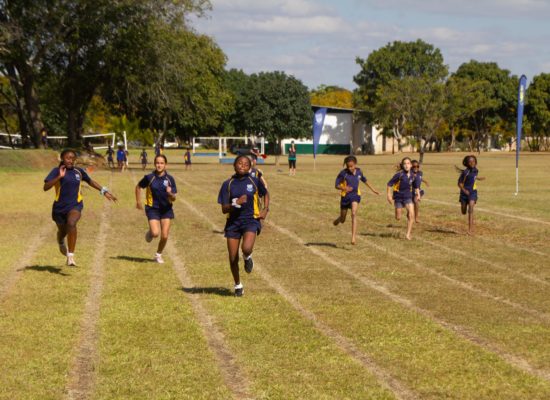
222	143
100	141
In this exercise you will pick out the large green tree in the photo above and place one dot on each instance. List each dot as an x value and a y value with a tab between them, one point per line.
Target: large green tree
538	112
498	117
71	49
277	106
394	62
420	101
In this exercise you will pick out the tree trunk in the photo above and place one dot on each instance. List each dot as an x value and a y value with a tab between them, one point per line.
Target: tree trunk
19	107
31	102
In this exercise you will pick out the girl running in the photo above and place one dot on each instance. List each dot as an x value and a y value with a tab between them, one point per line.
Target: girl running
240	199
143	158
110	152
468	189
67	206
419	176
121	158
160	193
256	172
400	192
347	182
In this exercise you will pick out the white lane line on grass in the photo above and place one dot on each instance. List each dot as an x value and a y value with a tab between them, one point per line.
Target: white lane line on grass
82	374
459	330
493	212
477	259
233	376
341	342
454	205
18	268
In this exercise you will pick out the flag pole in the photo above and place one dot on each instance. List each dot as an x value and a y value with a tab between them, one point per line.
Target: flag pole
521	102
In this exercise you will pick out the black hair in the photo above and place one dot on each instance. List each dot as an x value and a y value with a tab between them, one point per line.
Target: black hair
63	153
239	157
348	159
254	156
465	160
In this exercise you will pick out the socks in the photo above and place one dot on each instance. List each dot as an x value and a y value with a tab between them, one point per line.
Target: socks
239	286
247	258
70	254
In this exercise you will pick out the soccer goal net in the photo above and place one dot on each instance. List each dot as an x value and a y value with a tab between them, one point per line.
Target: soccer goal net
223	145
99	141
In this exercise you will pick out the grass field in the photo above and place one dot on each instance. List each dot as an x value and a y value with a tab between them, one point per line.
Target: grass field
445	316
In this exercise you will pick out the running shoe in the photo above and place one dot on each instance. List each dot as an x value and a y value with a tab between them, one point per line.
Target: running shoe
248	264
70	261
63	248
148	237
159	259
239	290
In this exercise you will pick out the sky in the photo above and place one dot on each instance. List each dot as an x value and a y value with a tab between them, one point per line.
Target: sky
318	41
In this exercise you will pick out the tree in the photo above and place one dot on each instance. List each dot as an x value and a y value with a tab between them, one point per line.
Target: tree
71	48
499	114
395	61
236	82
419	100
464	98
332	96
277	106
538	111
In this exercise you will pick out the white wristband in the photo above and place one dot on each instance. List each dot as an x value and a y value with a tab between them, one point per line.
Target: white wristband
234	203
104	190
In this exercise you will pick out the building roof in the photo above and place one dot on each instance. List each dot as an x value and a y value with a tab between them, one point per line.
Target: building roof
335	110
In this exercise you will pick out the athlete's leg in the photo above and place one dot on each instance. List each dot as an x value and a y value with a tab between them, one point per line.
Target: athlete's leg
72	220
154	227
354	206
233	251
471	206
463	207
398	212
416	211
247	245
342	218
164	231
410	219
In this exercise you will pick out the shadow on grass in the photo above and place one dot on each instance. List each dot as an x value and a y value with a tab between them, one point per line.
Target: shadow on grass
217	232
322	244
394	235
133	259
220	291
45	268
442	230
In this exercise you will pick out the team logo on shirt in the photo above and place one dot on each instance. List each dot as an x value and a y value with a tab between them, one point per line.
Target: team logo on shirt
165	183
250	188
77	177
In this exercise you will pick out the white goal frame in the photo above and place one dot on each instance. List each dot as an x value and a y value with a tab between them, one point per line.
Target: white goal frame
222	142
112	134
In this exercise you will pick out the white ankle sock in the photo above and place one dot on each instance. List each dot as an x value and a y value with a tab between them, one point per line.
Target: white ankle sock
239	286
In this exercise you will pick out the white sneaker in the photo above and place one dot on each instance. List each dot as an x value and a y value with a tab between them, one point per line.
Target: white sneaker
63	248
159	259
148	237
70	261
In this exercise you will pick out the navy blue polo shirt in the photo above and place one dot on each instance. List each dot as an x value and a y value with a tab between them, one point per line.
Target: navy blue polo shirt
156	195
68	193
237	186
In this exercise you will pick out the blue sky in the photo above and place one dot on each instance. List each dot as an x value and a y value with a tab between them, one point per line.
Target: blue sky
318	41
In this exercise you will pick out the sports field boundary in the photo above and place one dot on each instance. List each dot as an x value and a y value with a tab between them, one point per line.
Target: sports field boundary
343	344
83	367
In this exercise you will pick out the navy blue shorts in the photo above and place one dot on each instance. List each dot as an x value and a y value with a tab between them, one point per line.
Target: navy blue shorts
401	203
464	198
345	202
157	213
236	229
60	216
